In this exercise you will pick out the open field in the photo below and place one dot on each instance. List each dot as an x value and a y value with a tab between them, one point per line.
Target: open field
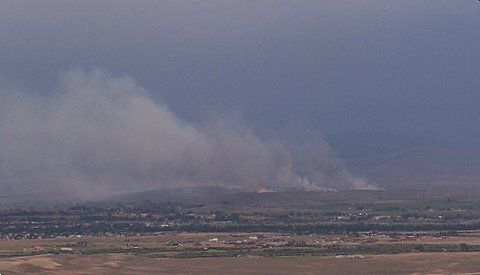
421	263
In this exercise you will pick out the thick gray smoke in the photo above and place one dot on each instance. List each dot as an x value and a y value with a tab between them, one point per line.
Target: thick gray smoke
97	135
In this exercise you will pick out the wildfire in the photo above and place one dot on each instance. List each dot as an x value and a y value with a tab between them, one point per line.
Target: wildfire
263	190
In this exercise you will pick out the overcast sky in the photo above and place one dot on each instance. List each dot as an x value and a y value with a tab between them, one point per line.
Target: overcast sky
407	67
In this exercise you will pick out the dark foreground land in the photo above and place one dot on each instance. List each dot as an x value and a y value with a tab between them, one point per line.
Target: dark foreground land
369	232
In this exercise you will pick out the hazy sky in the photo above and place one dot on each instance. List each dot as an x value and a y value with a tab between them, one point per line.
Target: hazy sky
408	67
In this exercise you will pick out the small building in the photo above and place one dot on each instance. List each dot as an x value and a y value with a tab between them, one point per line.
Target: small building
81	243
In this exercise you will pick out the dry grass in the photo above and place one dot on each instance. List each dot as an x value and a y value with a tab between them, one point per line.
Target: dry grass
420	263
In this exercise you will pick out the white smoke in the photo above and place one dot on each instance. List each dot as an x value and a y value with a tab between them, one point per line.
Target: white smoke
98	135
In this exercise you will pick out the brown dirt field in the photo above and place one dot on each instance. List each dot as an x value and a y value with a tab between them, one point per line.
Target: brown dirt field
419	263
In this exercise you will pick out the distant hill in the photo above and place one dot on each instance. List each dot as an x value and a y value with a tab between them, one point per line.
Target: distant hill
428	168
278	198
402	162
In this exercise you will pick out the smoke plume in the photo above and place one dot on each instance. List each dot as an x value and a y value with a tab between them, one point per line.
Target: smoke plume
98	135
